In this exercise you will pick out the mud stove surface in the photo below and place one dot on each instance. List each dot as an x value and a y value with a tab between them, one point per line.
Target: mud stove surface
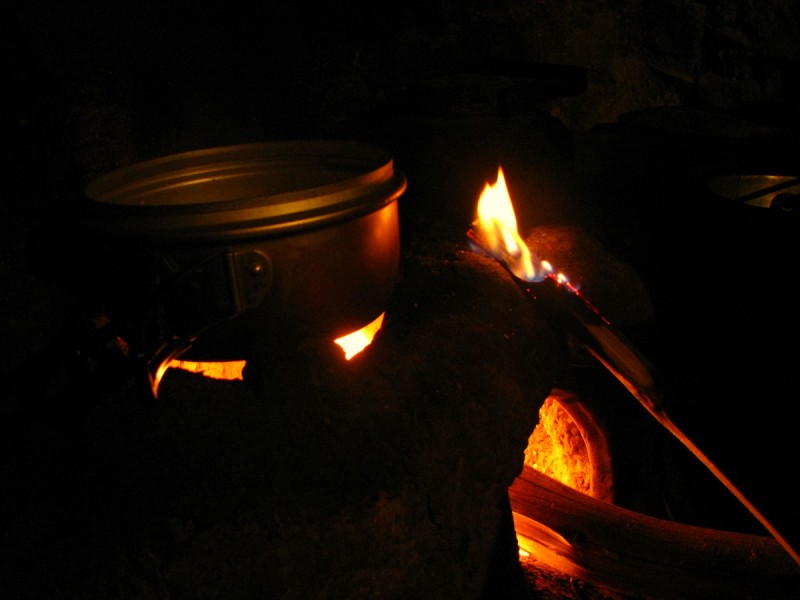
388	475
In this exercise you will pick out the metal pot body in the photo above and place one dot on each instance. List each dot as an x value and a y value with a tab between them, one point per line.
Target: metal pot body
778	192
226	248
757	220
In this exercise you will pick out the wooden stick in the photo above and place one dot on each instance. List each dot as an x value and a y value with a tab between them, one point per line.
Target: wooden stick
642	556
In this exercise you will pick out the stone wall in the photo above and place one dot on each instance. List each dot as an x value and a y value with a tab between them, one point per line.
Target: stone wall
638	54
127	82
729	54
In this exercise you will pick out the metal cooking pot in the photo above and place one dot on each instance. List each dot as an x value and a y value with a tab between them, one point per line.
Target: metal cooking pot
206	253
780	192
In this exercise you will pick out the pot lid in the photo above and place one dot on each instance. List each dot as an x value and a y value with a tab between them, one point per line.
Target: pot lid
243	191
760	190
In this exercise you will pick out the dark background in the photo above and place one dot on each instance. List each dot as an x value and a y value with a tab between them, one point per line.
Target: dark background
647	102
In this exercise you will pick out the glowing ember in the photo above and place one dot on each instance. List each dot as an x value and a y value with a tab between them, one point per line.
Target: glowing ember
355	342
496	226
557	448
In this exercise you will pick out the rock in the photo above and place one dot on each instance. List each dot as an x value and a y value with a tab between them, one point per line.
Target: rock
609	283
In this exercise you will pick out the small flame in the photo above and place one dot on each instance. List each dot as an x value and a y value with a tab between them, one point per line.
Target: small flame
355	342
352	344
496	226
228	370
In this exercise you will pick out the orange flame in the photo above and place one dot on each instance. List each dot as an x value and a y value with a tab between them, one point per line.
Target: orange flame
355	342
352	344
229	370
496	226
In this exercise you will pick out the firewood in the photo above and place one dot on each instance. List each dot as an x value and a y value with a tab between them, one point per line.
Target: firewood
642	556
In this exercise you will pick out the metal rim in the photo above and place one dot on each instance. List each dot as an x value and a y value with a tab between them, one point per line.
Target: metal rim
754	189
237	192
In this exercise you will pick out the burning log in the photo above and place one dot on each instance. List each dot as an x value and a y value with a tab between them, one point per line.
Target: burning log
641	556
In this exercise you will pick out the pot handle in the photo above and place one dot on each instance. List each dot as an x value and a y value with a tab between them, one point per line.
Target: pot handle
783	185
786	202
248	279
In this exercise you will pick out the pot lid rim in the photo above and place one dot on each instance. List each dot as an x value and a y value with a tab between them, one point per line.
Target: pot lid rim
346	179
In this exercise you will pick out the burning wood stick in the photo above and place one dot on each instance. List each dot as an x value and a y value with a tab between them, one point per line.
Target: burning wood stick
578	318
631	553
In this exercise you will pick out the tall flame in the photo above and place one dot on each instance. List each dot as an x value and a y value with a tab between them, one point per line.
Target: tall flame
496	226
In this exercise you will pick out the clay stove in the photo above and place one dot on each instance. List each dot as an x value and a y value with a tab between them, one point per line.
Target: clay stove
394	473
